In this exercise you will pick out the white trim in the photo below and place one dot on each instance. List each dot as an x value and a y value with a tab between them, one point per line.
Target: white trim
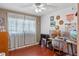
24	46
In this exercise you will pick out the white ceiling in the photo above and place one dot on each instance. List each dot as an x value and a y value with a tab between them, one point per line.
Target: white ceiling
28	8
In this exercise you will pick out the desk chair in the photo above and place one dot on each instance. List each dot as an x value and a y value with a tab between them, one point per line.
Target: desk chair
59	45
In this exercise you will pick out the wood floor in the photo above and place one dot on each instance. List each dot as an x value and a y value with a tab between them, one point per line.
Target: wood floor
36	50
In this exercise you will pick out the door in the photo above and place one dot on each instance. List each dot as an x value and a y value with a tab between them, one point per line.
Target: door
22	30
30	31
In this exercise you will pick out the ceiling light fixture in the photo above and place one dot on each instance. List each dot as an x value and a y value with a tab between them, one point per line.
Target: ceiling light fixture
39	7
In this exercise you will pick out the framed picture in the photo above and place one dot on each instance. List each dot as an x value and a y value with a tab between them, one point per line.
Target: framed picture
52	22
61	22
52	18
58	17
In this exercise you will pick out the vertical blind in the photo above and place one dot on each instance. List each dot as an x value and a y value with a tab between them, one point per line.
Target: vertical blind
22	30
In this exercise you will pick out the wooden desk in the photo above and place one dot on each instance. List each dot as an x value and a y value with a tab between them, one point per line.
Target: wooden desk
4	42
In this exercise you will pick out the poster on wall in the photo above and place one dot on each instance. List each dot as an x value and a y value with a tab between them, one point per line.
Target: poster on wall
52	22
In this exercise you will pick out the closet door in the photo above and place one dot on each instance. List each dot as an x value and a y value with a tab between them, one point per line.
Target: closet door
20	32
12	32
15	28
26	31
30	30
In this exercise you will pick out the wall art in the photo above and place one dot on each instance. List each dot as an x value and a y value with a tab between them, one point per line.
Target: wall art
52	22
58	17
61	22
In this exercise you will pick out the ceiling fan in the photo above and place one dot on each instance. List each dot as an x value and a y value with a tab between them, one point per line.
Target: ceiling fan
38	7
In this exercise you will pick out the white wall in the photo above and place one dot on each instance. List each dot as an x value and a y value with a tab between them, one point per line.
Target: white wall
45	19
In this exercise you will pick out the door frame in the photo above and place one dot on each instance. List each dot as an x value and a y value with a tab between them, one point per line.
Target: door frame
78	29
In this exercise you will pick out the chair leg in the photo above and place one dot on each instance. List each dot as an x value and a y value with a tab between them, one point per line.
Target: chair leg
53	50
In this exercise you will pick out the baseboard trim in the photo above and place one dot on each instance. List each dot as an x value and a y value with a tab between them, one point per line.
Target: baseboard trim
24	46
